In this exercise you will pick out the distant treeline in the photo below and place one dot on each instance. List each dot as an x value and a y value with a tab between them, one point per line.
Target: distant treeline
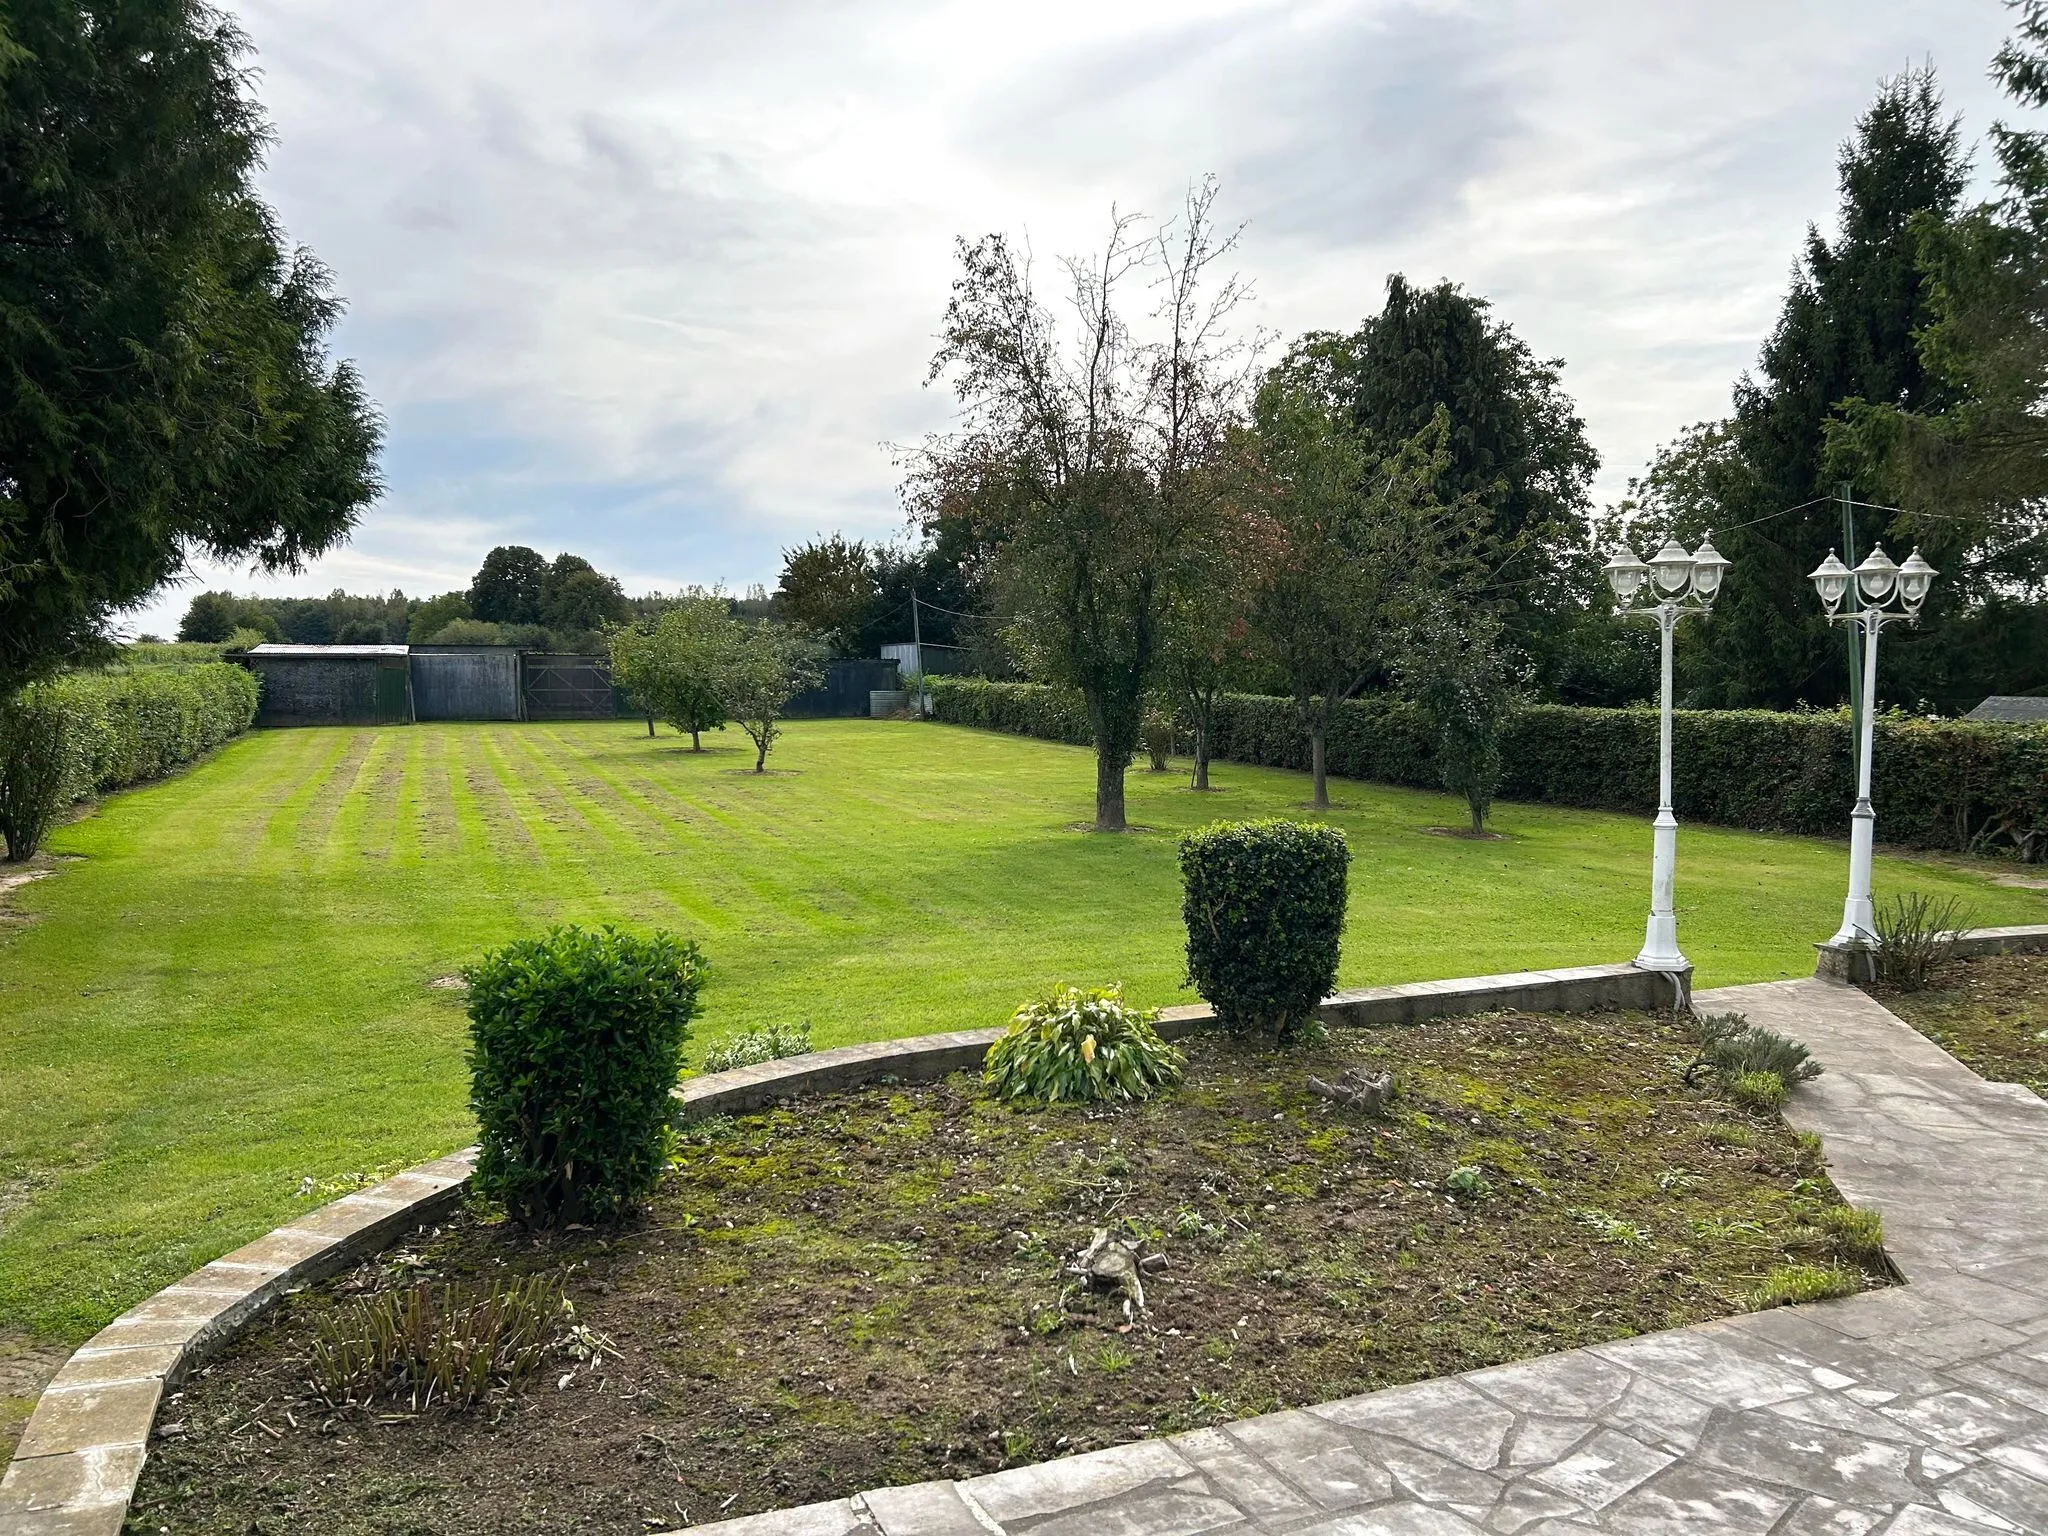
518	597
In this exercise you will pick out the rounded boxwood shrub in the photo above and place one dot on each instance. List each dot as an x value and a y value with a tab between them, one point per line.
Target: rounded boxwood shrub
1265	913
1074	1046
576	1039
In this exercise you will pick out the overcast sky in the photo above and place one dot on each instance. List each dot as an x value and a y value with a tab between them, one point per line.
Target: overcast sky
657	282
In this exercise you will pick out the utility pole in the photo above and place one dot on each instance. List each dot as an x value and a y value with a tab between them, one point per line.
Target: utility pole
917	647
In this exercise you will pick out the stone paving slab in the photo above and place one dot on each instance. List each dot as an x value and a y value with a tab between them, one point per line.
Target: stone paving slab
1917	1411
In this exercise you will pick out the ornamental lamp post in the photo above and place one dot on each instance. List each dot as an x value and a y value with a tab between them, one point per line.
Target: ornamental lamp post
1679	584
1888	592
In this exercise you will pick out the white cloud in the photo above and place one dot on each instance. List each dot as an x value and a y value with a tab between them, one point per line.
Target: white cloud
655	282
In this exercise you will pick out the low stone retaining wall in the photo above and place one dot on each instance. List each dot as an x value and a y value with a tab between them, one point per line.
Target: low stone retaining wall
82	1452
1857	963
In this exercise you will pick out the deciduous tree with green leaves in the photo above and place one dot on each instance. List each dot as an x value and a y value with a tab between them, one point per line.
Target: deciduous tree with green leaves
1085	459
677	668
763	667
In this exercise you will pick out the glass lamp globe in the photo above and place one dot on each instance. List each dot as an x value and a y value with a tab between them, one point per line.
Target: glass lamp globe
1876	575
1708	567
1915	577
1671	568
1831	579
1626	574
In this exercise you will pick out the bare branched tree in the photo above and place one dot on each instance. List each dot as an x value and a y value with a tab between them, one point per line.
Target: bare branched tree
1089	459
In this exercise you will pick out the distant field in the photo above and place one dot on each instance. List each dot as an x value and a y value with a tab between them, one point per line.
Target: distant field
230	992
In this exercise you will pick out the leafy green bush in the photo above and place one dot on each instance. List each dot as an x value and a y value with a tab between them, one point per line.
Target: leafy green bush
1940	783
756	1045
139	725
575	1043
1264	906
39	765
1076	1047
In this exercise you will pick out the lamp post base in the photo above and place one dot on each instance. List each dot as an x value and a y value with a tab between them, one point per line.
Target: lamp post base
1660	945
1853	962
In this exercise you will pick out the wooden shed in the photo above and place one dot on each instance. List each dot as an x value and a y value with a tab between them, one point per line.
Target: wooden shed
332	684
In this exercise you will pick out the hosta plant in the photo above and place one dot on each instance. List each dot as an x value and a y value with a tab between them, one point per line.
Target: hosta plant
1077	1046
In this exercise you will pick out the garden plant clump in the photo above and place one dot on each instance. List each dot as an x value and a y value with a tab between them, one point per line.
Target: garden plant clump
895	1283
1078	1047
1990	1012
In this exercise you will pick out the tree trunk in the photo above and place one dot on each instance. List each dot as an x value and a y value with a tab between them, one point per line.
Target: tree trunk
1201	753
1478	817
650	727
696	741
761	753
1315	762
1110	763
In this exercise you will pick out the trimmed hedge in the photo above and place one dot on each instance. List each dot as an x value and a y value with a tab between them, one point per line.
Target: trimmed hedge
88	732
1946	784
134	726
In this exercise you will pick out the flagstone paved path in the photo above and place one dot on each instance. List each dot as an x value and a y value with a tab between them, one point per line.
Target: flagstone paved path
1916	1411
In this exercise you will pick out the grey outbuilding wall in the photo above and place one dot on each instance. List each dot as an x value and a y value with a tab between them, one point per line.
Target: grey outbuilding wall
471	683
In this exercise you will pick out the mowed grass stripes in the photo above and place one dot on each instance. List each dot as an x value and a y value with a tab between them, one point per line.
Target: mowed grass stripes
229	992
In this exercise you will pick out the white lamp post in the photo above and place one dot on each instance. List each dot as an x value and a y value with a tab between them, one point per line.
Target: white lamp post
1889	592
1679	584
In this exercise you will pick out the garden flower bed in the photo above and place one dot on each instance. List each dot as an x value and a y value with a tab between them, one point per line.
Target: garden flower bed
1990	1012
876	1286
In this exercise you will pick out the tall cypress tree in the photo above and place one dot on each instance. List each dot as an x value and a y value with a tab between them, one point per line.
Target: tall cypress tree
1516	443
164	384
1847	331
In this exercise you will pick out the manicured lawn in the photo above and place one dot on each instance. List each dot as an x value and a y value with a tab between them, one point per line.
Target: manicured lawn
229	997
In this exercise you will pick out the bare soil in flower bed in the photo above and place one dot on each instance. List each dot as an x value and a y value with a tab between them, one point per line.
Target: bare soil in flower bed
873	1287
1989	1012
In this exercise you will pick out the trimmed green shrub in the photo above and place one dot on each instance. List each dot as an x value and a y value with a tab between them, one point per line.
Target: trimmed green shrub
39	764
575	1043
1077	1047
1264	906
140	725
1950	784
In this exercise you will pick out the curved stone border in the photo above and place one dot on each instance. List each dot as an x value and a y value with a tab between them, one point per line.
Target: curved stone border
82	1451
76	1466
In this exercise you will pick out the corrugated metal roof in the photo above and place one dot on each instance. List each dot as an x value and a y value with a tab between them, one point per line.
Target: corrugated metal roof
329	652
2012	709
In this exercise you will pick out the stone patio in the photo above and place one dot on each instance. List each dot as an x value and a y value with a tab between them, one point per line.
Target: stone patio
1917	1411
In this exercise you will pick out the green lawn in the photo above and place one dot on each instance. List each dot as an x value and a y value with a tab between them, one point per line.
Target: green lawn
230	993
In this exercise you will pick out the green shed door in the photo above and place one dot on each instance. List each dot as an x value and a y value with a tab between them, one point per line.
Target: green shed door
392	705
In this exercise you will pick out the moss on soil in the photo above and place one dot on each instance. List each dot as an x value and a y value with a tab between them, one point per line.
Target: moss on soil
1990	1013
870	1288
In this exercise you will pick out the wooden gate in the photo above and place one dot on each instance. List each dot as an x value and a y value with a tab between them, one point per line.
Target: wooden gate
566	687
